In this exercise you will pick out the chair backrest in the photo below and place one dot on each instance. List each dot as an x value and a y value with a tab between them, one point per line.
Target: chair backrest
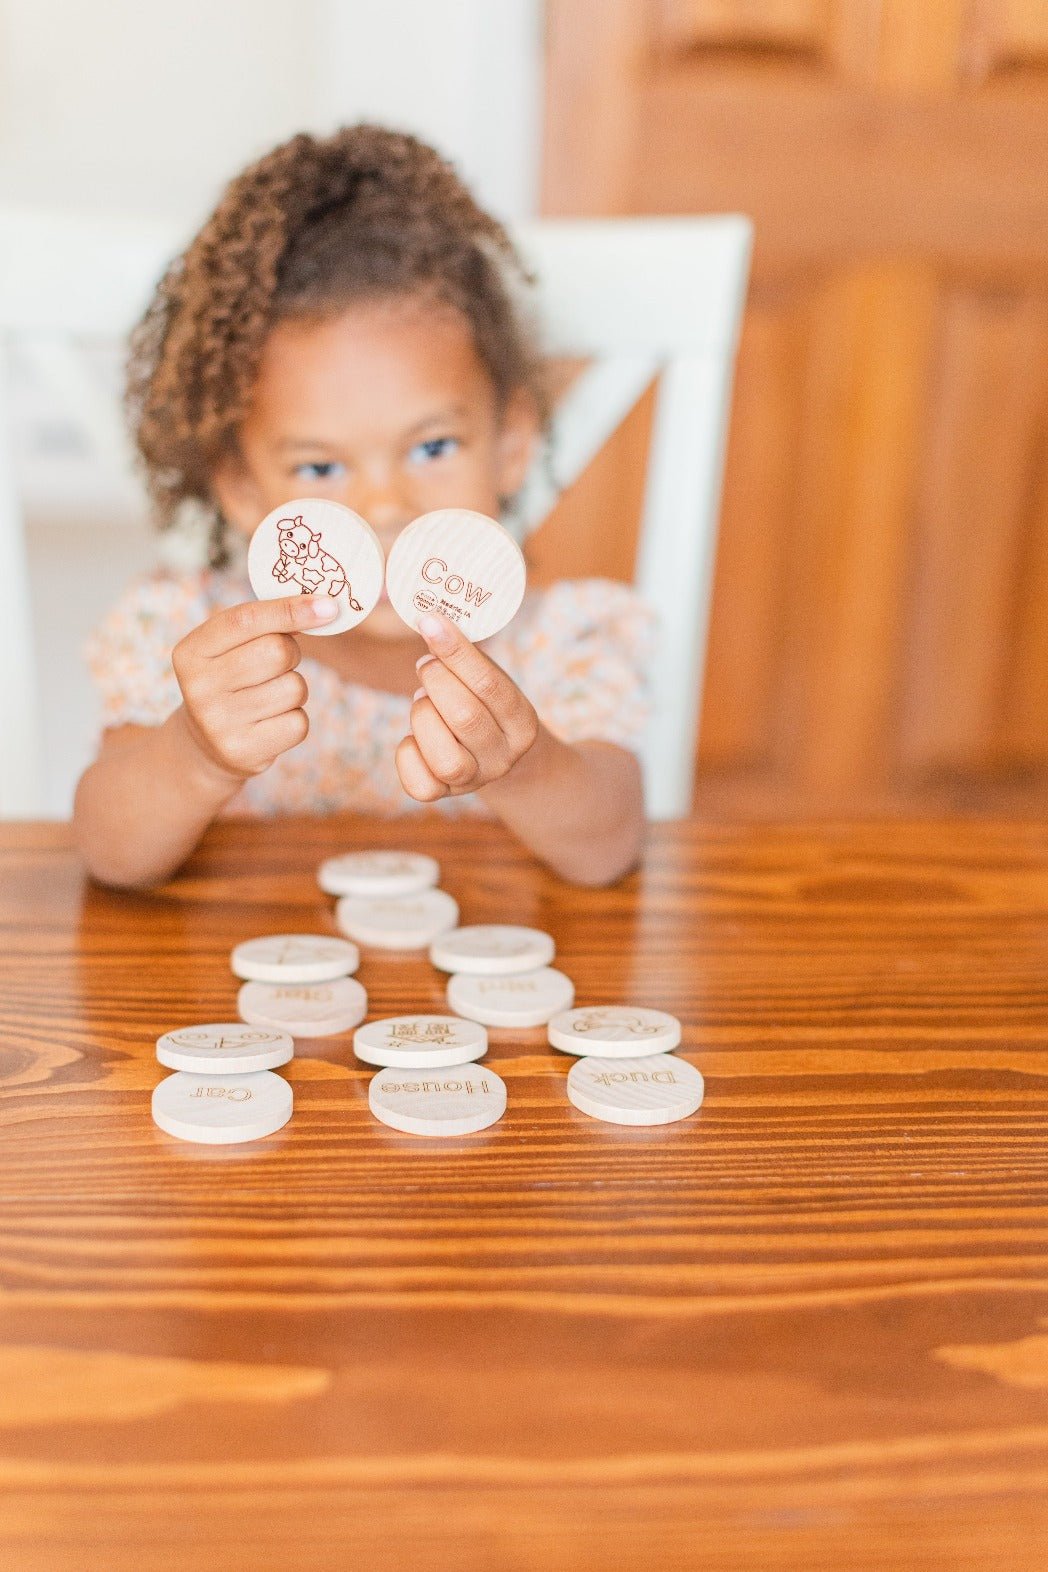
645	299
639	299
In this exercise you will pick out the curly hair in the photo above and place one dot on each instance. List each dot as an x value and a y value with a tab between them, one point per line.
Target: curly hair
312	227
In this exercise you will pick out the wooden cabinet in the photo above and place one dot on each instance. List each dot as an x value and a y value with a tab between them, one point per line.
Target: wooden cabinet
879	638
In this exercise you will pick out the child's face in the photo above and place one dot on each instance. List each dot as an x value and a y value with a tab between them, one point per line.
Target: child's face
386	408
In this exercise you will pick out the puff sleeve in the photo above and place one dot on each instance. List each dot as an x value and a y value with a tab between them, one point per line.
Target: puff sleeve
129	653
584	660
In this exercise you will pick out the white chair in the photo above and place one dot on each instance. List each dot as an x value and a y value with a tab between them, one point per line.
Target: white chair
65	281
647	298
639	299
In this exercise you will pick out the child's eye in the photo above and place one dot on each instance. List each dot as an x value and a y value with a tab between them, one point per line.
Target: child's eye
326	471
434	448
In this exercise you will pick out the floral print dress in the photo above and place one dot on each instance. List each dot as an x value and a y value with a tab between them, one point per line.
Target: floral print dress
580	650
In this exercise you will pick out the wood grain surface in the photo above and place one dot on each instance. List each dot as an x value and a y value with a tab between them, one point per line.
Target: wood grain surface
807	1328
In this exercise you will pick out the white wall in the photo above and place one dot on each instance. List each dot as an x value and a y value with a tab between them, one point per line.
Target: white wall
137	104
465	74
133	105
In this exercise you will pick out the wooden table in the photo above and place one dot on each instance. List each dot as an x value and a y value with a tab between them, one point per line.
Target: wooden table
807	1328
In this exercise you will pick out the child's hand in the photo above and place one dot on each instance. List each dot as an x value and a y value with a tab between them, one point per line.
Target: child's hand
470	723
242	697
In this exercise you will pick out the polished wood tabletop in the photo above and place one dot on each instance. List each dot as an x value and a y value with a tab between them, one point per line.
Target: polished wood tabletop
806	1328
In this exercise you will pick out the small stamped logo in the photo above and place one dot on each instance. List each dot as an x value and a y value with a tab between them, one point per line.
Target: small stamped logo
232	1094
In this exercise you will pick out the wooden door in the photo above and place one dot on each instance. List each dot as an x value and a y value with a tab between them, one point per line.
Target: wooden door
879	638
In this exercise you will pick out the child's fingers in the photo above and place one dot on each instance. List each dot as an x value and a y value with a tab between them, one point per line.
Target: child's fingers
275	697
270	655
237	624
496	691
444	756
278	733
416	777
253	747
466	717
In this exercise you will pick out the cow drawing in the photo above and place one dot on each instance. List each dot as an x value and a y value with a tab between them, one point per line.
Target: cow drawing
304	562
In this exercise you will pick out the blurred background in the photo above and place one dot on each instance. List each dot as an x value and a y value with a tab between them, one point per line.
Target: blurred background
879	636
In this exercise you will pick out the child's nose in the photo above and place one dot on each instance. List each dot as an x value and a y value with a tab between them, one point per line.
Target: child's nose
385	507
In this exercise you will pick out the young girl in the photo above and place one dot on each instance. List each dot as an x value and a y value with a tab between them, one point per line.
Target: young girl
346	326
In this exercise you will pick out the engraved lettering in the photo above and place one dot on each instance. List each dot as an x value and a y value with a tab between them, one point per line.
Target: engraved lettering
236	1039
435	571
306	950
429	1033
452	1088
609	1078
595	1020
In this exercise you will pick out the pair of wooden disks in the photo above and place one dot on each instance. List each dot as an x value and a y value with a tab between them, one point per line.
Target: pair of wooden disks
224	1089
461	564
